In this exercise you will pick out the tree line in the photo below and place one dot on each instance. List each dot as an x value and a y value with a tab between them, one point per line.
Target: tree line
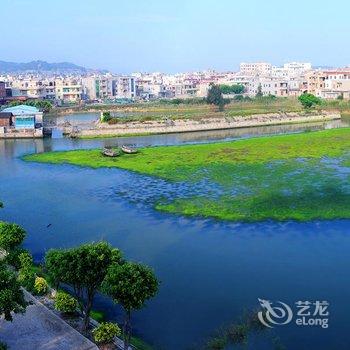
42	105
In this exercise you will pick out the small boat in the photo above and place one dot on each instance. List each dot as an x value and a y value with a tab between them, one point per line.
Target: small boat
129	150
109	152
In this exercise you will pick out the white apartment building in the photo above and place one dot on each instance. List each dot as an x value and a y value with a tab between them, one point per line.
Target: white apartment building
256	68
279	72
336	84
268	86
124	87
297	68
33	88
97	88
68	90
103	87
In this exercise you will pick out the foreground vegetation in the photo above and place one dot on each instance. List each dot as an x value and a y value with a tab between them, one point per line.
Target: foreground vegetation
86	269
298	176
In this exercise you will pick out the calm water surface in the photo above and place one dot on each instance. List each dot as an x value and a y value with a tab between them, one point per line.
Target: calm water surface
210	271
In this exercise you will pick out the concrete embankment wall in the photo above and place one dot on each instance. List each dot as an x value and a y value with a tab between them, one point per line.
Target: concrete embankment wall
187	125
22	134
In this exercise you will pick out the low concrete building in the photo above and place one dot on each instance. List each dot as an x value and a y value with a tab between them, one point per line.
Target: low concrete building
25	117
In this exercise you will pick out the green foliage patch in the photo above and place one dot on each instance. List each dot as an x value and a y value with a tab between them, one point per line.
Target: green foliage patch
297	176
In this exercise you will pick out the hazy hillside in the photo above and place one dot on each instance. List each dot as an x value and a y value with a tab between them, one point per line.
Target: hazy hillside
7	67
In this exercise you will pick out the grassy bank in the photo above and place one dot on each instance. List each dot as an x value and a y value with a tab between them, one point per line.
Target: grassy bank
196	109
284	177
190	110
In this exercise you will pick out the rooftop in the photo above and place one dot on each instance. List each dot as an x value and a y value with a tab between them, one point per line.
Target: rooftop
21	109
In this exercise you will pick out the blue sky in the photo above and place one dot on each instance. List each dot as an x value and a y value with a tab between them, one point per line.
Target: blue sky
173	36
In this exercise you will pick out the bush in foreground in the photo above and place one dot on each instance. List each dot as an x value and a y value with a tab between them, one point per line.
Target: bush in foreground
26	275
12	257
11	296
11	235
309	100
106	332
40	286
65	303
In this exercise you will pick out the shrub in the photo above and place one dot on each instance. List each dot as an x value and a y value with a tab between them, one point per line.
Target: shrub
238	98
218	343
65	303
238	333
309	100
3	346
13	257
25	260
26	277
40	286
11	235
105	332
105	117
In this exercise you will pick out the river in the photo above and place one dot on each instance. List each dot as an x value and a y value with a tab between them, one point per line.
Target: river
210	271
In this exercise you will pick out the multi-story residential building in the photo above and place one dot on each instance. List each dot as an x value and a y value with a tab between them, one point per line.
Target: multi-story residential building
125	87
34	88
297	68
68	90
279	72
31	88
2	90
103	87
257	68
297	86
97	87
315	82
268	86
337	84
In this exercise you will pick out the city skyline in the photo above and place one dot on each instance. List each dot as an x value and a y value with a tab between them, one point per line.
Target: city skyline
208	69
155	36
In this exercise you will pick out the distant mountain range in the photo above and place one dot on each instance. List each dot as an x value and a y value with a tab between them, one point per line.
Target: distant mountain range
40	66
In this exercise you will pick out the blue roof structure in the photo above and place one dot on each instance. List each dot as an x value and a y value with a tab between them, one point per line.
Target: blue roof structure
21	110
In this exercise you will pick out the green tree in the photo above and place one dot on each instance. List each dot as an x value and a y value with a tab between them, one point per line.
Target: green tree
130	285
43	105
26	274
232	89
11	295
309	100
11	235
214	96
83	268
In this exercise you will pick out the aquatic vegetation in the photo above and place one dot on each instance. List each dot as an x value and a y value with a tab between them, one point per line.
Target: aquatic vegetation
299	176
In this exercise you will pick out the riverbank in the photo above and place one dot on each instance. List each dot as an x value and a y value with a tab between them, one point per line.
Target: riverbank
300	176
41	329
166	126
184	109
21	134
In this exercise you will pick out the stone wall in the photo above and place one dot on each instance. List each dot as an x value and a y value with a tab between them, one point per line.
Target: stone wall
186	125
